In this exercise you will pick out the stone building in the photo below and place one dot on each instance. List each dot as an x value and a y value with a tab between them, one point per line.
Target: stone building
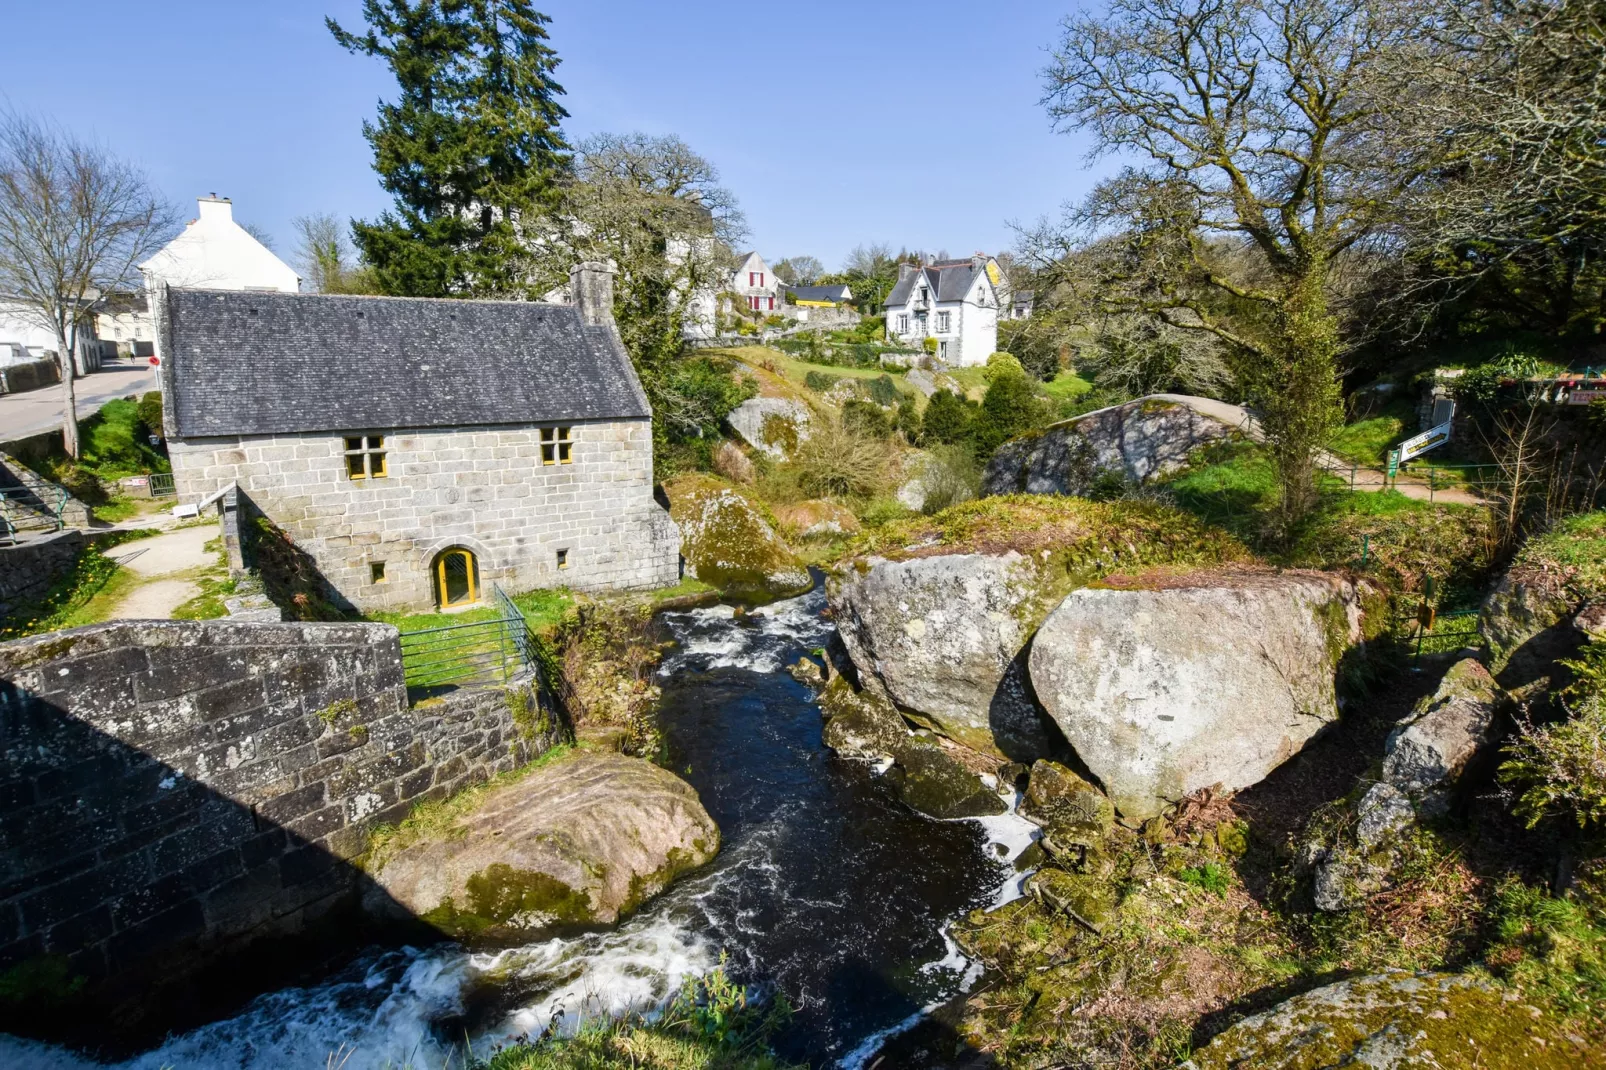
419	450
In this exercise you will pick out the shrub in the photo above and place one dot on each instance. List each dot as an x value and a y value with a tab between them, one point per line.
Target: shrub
1559	770
951	476
883	391
837	460
149	412
866	418
1002	364
908	419
948	419
930	345
1010	407
820	382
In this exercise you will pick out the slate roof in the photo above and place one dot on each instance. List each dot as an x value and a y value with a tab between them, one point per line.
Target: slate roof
819	293
251	363
949	281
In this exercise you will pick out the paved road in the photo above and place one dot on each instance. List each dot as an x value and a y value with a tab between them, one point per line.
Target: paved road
35	411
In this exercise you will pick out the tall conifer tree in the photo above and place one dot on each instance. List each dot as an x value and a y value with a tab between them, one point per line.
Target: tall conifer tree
470	147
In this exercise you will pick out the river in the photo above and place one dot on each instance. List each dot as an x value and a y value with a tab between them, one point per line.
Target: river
825	889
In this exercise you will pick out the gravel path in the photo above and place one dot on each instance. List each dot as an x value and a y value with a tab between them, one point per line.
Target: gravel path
155	600
157	562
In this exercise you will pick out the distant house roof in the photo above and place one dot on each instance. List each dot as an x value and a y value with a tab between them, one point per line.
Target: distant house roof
949	281
821	293
244	363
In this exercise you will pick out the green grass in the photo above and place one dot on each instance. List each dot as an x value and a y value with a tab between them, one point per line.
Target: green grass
685	588
208	605
1067	384
115	510
115	443
93	578
542	608
1368	441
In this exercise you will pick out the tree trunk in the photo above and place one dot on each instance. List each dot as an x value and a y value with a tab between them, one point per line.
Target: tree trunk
1302	401
69	398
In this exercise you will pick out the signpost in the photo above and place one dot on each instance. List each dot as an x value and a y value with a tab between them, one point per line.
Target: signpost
1432	438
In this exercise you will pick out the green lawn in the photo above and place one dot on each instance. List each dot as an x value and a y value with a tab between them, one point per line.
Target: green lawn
1368	441
541	608
1067	384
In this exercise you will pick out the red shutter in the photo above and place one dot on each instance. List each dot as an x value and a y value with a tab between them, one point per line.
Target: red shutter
761	278
771	300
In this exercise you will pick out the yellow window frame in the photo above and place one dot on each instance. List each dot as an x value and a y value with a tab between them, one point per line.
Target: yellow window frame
365	456
557	445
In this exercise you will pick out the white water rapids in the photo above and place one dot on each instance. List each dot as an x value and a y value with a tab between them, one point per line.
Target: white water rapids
792	899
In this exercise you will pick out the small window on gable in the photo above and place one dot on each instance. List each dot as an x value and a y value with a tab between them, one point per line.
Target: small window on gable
556	445
563	559
365	457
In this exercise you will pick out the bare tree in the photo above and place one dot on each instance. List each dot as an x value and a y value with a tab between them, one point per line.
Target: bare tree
799	270
870	260
326	258
1270	159
74	223
259	232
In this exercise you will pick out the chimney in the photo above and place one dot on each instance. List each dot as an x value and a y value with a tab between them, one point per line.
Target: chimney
905	269
216	208
591	287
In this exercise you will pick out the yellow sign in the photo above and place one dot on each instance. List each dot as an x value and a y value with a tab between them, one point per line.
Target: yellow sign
992	272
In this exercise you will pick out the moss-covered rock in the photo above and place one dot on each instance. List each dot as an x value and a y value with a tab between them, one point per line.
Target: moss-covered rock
1429	750
864	725
1397	1020
935	783
1072	812
1551	578
580	841
1084	897
729	540
1138	441
936	611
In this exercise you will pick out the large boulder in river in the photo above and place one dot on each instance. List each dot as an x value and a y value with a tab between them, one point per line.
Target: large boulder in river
729	540
583	840
864	725
1138	441
937	615
1209	679
1396	1021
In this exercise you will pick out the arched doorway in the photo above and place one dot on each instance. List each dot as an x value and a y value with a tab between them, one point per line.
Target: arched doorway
457	578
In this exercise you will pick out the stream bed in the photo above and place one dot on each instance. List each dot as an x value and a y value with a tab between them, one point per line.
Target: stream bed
825	889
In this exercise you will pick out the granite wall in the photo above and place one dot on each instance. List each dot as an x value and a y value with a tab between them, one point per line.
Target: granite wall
174	794
28	569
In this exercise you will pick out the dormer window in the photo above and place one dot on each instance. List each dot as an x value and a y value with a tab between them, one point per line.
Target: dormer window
365	457
556	445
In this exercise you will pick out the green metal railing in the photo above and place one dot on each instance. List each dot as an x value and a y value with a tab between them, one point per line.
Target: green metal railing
24	507
161	485
482	653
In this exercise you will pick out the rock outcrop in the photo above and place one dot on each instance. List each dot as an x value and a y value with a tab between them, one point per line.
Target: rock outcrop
1541	609
1138	441
865	726
584	840
728	540
1395	1021
1430	749
940	634
1073	812
773	426
938	619
1211	679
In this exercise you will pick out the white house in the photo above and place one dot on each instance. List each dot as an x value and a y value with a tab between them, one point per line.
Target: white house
25	337
216	253
755	283
954	301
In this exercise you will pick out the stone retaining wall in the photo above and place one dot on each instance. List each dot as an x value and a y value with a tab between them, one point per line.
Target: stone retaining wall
28	569
174	791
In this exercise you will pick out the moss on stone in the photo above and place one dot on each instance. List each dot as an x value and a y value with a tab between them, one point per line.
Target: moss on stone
503	901
729	539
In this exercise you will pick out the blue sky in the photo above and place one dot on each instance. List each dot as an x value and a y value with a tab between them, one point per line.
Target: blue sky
834	122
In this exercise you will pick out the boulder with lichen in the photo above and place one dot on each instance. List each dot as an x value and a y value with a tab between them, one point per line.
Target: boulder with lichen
936	612
1397	1019
1428	751
1200	680
729	540
581	841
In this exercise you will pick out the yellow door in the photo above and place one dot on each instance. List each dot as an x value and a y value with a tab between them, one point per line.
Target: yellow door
456	579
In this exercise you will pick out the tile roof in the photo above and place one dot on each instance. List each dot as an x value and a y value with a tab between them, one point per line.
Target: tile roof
246	363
